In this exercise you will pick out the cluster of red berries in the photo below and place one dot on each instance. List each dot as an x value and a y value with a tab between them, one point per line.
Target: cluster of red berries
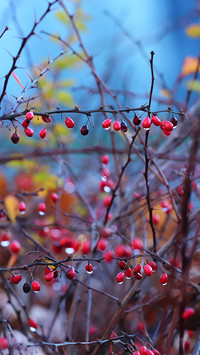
27	130
117	125
128	272
166	126
70	124
143	350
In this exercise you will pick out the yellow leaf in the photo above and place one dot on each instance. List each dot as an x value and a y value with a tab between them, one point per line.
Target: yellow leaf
17	79
165	93
193	31
189	66
11	203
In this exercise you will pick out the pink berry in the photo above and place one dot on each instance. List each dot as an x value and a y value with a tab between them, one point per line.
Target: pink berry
43	133
116	125
89	268
70	273
32	323
164	279
15	247
69	122
29	115
28	132
168	126
105	159
143	350
137	268
106	123
156	121
35	286
120	277
156	352
15	279
167	132
22	207
146	123
128	273
148	270
3	343
188	313
108	256
105	173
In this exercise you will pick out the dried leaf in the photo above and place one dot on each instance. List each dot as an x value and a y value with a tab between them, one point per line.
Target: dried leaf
189	66
17	79
193	31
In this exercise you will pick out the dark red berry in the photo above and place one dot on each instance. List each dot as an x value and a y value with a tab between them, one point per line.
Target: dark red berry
136	120
84	130
174	121
124	126
46	119
15	138
70	273
26	287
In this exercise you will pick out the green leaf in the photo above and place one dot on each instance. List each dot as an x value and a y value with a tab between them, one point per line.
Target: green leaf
193	85
193	30
65	98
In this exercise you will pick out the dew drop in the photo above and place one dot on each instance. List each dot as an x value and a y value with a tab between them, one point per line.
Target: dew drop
164	284
89	272
5	243
107	189
69	250
32	329
120	282
41	213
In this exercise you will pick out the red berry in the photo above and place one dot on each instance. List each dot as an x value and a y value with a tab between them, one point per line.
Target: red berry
136	120
156	121
107	201
138	275
33	324
54	197
5	239
49	277
116	125
15	247
70	273
15	138
22	207
35	286
29	115
128	273
84	130
180	190
46	119
15	279
148	270
156	219
3	343
89	268
168	126
42	208
106	123
164	279
156	352
86	247
137	268
120	277
190	333
105	159
69	122
146	123
136	353
187	345
167	132
25	123
43	133
137	244
28	132
143	350
102	244
108	256
188	313
153	265
124	126
148	352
